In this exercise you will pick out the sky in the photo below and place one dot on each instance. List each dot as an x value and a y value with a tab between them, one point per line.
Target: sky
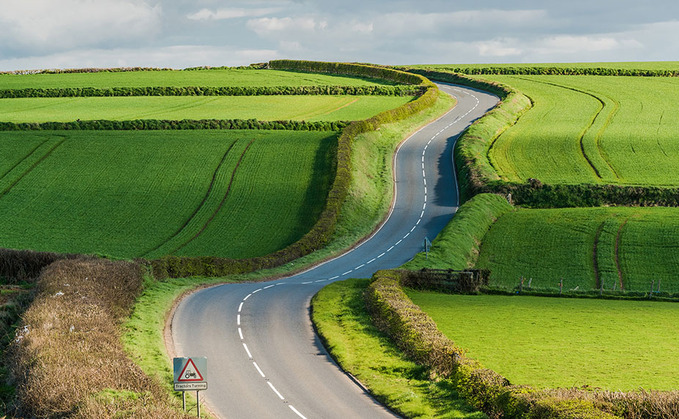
43	34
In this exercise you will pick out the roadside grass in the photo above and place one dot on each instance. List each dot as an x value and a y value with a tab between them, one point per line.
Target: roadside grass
265	108
362	212
616	248
128	194
342	321
561	342
592	129
179	78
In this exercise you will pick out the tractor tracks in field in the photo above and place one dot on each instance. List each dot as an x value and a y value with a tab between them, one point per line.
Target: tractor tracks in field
603	156
203	215
37	155
596	252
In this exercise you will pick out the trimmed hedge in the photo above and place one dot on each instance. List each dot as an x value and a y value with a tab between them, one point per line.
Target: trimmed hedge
375	90
564	71
322	231
169	124
415	333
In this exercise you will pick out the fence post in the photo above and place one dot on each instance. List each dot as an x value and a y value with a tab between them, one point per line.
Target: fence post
650	295
561	286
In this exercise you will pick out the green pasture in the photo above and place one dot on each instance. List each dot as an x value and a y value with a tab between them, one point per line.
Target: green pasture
264	108
592	129
560	342
618	248
128	193
178	78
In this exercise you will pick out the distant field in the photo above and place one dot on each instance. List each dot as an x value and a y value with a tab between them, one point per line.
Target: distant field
203	78
271	108
647	65
559	342
592	129
622	247
129	194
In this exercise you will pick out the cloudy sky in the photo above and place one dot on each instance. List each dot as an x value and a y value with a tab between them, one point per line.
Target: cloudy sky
36	34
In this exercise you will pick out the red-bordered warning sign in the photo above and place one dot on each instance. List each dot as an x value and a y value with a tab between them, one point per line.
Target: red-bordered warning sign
190	373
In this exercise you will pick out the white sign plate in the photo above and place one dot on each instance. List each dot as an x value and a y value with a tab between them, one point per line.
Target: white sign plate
190	373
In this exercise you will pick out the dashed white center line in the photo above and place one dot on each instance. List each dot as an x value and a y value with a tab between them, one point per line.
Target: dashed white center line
240	307
240	333
296	411
245	345
259	370
280	396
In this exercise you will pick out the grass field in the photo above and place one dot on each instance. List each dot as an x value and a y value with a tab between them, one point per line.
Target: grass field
264	108
592	129
128	194
626	248
558	342
203	78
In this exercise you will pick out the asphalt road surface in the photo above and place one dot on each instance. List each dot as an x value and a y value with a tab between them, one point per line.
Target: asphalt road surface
264	359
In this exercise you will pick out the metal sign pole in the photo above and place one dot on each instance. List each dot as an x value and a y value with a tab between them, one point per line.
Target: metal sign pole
198	402
184	401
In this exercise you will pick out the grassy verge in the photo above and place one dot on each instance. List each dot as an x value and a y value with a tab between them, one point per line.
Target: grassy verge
551	342
340	316
364	208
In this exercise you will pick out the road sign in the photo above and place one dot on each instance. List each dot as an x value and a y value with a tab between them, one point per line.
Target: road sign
190	373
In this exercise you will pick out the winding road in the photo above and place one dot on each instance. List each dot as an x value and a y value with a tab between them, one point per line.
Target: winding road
264	358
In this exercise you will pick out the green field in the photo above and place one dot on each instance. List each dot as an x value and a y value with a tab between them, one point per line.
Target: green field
592	129
130	193
558	342
176	78
626	248
264	108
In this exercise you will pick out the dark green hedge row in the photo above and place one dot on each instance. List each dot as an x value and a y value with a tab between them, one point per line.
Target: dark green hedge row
416	334
168	124
130	69
375	90
564	71
322	231
26	265
535	194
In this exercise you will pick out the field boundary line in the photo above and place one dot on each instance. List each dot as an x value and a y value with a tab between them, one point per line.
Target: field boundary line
221	203
33	166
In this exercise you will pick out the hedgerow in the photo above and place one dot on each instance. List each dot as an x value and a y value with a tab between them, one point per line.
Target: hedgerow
321	232
67	357
169	124
399	90
563	71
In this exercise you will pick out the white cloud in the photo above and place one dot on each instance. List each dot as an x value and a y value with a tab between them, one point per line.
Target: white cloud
274	26
47	24
178	56
221	14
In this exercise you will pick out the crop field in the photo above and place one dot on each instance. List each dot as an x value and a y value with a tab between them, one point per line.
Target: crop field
614	248
592	129
129	193
175	78
557	342
265	108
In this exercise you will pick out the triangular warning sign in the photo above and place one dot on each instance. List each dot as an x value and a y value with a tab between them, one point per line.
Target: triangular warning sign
190	373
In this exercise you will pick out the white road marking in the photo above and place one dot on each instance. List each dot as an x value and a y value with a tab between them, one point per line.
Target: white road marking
359	266
334	277
256	291
347	272
275	391
307	283
240	333
247	350
238	320
240	307
270	286
296	411
259	370
248	296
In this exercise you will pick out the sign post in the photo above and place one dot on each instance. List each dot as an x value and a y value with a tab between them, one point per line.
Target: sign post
190	373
